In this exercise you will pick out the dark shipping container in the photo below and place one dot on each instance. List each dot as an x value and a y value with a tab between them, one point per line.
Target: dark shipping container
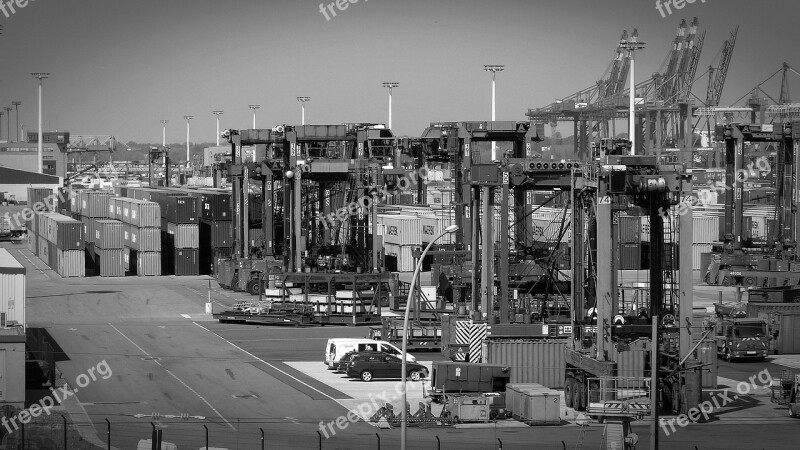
181	210
108	234
217	233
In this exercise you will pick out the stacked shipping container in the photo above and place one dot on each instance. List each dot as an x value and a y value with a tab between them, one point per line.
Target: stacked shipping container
216	227
141	234
58	241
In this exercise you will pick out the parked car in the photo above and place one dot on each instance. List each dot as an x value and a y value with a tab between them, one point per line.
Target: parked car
341	366
370	366
336	348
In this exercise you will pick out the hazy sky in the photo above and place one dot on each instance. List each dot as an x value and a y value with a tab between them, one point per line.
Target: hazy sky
118	67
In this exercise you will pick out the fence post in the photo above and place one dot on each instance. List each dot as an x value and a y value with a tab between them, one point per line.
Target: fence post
262	437
206	436
65	431
501	443
320	439
379	440
438	443
108	433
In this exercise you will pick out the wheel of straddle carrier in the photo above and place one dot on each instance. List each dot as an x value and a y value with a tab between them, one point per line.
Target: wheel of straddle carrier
726	281
579	395
253	286
569	391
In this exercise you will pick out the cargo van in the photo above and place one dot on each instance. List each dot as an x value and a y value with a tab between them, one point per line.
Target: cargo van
337	347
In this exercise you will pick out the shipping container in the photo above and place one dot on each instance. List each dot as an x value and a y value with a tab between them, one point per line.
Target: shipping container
181	210
698	250
126	260
126	234
114	207
94	204
630	229
216	206
12	289
110	262
533	404
183	261
42	199
145	239
529	360
216	233
30	239
144	214
65	232
147	264
401	229
399	258
44	250
789	334
183	235
70	263
108	234
630	256
52	256
705	229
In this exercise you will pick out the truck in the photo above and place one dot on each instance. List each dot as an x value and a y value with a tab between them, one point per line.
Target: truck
742	338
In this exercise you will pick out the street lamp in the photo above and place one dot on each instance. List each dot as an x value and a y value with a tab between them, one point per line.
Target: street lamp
16	104
40	76
494	68
217	113
254	108
164	132
303	101
188	118
390	85
631	45
404	375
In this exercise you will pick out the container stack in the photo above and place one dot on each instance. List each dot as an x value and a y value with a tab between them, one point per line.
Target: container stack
108	247
58	241
141	234
216	229
180	235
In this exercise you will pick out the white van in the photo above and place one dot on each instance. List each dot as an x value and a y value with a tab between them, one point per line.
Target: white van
336	348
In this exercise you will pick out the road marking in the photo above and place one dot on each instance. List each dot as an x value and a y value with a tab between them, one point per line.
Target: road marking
272	366
175	376
186	316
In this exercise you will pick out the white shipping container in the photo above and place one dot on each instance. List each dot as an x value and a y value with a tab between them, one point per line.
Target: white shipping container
71	263
12	288
697	251
705	229
401	229
404	255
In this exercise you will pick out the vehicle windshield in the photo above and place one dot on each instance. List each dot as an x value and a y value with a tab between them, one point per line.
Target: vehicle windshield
749	330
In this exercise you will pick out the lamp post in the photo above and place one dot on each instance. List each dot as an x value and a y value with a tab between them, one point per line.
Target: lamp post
254	108
1	126
8	122
188	118
164	132
217	113
303	101
16	104
494	68
631	45
390	85
403	430
40	76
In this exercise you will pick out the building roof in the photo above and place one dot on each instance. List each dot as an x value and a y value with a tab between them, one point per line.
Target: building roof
16	176
9	264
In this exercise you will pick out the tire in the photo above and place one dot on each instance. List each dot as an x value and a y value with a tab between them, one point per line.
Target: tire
569	391
366	376
579	396
415	375
253	287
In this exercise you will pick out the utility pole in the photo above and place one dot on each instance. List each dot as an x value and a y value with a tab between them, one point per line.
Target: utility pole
188	118
16	104
303	101
40	76
254	108
390	85
217	113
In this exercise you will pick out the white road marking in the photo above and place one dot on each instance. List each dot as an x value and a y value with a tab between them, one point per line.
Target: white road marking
186	316
270	365
175	376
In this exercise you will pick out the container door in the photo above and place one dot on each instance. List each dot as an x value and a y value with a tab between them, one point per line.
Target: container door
789	335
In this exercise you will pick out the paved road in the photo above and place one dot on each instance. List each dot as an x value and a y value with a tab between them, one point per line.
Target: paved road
174	367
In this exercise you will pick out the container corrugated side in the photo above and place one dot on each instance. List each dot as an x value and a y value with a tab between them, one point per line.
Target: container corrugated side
697	255
113	204
126	234
185	262
530	361
30	239
401	229
68	233
148	264
181	210
12	287
70	263
183	235
95	204
44	250
110	262
108	234
52	255
41	199
705	229
216	206
399	258
217	233
145	239
145	213
630	363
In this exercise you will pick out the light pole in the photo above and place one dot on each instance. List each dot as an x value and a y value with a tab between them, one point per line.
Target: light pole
254	108
16	104
164	132
217	113
1	126
494	68
404	375
631	45
390	85
303	101
188	118
8	122
40	76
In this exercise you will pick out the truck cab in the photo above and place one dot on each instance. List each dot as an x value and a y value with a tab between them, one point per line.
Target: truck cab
740	338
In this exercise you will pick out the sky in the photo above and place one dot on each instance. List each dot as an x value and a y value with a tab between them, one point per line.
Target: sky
119	67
